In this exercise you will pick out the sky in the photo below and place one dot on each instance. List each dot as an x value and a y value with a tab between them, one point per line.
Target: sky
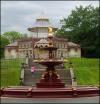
20	15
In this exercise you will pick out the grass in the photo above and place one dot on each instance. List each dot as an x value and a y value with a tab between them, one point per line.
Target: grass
86	70
10	72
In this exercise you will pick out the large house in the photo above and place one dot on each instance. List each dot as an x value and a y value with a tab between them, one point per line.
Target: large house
31	45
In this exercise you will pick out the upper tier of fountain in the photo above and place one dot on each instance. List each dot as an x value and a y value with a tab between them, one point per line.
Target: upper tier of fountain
52	61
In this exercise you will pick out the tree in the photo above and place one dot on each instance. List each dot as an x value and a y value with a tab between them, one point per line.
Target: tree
12	36
83	24
3	42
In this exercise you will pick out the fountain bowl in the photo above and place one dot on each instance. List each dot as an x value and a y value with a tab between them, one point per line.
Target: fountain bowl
49	62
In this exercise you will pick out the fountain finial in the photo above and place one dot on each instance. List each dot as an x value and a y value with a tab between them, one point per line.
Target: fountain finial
50	31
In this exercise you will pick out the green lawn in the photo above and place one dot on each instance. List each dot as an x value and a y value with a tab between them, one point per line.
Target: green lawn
10	72
86	70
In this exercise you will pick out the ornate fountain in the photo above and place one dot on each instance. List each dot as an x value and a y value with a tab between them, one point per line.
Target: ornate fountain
50	85
50	78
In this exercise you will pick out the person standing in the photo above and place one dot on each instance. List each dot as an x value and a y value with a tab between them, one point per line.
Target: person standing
33	69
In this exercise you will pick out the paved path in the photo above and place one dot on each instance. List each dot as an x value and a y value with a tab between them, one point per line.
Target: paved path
90	100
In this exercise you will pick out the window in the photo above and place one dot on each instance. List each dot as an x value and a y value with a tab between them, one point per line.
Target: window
20	46
64	45
30	44
41	46
27	46
61	45
58	45
24	45
30	51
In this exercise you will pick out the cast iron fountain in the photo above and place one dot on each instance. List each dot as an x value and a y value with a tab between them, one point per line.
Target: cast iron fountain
50	85
50	79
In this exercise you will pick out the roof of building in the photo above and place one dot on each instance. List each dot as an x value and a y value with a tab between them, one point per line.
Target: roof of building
41	21
42	41
60	39
71	44
42	16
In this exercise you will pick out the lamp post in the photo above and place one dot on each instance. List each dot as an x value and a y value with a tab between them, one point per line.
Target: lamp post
27	57
62	59
74	83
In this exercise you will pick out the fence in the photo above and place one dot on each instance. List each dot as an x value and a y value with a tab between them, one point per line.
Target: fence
11	63
10	71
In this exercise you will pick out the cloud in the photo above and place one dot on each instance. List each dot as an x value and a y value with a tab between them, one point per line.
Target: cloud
19	15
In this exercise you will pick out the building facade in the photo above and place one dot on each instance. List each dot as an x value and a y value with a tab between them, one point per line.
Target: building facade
32	45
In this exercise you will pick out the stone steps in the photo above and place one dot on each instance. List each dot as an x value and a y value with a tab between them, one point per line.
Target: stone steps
33	78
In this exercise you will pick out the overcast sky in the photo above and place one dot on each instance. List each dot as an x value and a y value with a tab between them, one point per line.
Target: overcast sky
20	15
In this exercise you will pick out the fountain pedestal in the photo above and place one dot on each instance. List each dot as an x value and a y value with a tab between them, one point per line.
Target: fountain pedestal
50	85
50	79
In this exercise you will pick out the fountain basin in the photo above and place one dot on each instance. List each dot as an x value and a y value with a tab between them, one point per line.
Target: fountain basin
49	62
33	92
